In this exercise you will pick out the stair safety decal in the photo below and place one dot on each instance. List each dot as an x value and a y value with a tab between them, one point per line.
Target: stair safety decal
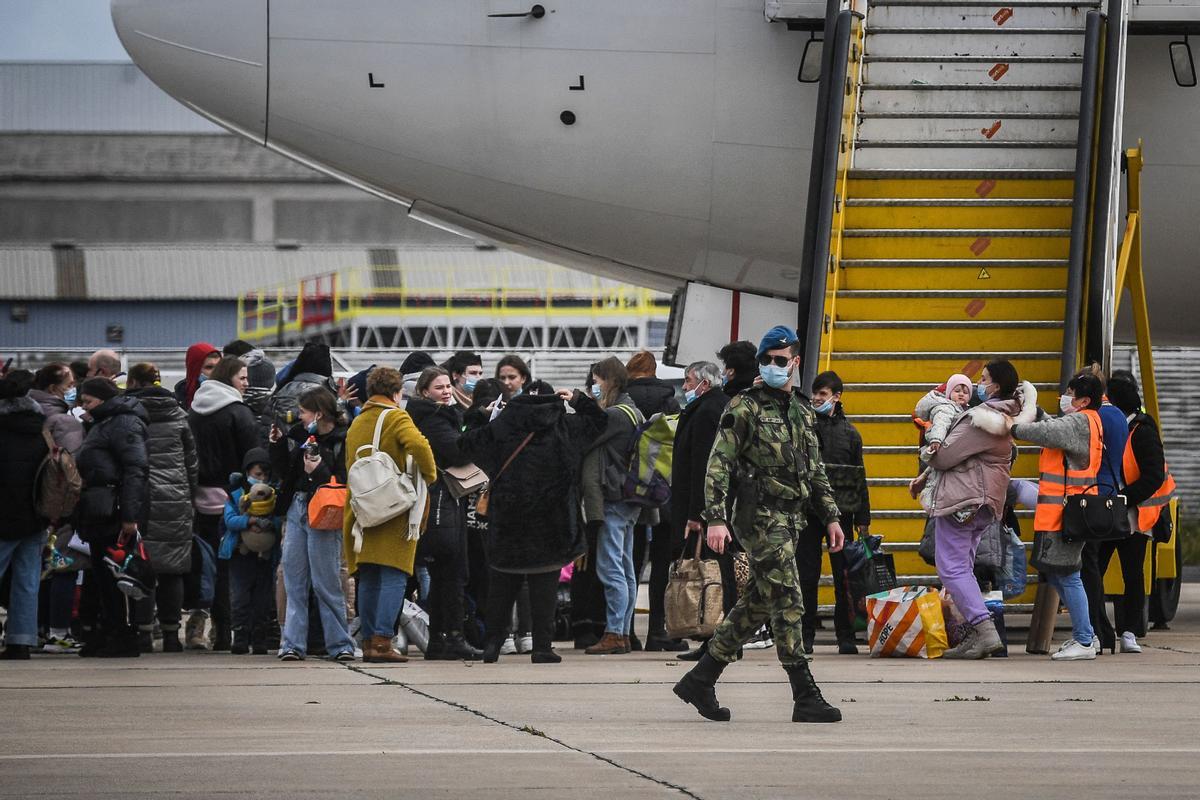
1002	16
988	133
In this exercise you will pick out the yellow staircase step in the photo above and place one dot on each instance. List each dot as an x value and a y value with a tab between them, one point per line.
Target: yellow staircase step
1040	243
933	368
896	400
892	460
966	184
895	213
981	305
913	336
946	274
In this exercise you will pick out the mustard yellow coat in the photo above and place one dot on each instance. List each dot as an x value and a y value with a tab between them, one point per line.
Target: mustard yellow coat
386	544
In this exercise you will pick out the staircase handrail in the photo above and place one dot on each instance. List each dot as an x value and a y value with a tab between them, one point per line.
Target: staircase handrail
1081	202
1097	342
817	273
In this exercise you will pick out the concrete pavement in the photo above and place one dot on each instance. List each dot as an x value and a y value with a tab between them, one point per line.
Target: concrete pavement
207	725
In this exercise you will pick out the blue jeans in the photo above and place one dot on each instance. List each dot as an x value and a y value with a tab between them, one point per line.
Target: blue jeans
614	565
1070	589
312	560
25	557
380	594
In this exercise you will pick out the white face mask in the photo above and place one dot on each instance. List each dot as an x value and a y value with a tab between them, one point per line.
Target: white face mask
1066	403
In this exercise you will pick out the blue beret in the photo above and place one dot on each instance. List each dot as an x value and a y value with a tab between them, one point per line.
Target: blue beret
777	337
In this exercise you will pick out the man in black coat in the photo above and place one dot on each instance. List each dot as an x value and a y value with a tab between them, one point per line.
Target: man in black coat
698	424
22	533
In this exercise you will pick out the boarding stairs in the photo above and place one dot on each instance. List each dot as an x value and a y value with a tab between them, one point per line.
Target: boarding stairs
951	223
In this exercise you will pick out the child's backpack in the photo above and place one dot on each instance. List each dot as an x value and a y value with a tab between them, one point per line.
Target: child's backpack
648	478
58	482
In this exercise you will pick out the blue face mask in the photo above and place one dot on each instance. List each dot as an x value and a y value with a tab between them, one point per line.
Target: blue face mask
253	481
201	378
773	376
825	408
70	396
981	391
469	384
689	397
311	427
596	393
518	392
724	381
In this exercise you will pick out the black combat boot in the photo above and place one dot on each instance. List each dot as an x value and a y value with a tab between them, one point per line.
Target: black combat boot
698	687
809	706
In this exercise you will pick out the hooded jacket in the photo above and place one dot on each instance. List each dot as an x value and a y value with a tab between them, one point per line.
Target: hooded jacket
114	454
939	411
605	454
224	429
442	426
65	429
185	390
24	448
698	423
174	475
652	396
287	462
976	458
533	512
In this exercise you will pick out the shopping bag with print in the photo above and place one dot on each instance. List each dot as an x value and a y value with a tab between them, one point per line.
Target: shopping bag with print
906	622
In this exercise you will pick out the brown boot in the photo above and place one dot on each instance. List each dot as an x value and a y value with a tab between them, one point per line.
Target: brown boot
609	644
378	650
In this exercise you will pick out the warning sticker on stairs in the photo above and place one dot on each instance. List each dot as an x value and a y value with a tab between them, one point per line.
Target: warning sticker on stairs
981	244
984	274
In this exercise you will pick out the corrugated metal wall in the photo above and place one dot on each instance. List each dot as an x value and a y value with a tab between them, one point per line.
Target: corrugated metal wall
84	325
1175	370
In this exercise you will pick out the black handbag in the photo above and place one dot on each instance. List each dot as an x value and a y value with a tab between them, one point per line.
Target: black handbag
1095	517
1054	555
1164	528
98	505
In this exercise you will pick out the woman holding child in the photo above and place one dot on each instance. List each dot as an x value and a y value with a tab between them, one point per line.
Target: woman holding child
973	464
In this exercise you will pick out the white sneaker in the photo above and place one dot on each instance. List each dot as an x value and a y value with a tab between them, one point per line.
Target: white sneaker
1074	651
60	645
761	641
525	644
509	647
1129	643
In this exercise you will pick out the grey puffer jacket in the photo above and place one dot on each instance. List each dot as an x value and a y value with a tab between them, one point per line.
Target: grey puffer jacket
65	429
173	477
976	458
940	412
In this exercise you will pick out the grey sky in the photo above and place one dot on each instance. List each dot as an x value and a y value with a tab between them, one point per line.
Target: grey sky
58	30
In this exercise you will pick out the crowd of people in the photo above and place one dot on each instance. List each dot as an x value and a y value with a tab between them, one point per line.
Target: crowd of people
200	520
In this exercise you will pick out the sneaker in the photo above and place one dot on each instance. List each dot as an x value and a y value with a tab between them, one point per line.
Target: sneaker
1072	650
1129	643
509	647
61	644
345	657
525	644
290	655
761	641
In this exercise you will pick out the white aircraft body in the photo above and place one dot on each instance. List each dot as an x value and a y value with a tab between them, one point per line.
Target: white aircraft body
655	141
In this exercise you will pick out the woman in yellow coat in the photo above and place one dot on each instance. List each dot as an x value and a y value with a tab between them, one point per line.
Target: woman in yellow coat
385	561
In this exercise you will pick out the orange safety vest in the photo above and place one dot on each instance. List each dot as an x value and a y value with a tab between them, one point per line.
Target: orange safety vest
1150	510
1054	486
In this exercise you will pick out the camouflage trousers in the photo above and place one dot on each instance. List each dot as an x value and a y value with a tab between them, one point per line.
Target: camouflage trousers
773	592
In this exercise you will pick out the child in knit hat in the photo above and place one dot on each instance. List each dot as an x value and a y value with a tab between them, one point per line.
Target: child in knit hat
934	414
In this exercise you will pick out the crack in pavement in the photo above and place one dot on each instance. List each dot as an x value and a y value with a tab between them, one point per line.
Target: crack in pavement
526	729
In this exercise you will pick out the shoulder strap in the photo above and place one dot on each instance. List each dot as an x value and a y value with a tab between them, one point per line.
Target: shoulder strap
379	429
515	453
49	441
629	412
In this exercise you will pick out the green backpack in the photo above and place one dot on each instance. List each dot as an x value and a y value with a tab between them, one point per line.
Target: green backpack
648	477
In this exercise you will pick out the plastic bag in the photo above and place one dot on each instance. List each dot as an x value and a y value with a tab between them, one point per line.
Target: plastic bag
1014	577
906	621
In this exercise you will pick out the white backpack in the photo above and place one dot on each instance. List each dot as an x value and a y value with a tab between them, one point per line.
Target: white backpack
379	490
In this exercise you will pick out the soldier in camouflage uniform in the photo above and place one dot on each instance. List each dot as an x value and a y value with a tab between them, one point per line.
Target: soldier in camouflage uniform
766	447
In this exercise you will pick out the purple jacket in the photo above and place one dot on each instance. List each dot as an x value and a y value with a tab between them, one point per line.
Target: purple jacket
976	457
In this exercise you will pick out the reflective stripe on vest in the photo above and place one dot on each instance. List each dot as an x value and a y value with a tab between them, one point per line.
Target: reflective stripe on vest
1150	510
1054	487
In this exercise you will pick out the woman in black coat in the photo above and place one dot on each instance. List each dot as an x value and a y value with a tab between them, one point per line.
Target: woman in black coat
443	546
173	479
113	455
533	512
22	532
225	430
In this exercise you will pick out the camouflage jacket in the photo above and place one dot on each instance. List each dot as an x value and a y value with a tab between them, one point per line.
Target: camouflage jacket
769	437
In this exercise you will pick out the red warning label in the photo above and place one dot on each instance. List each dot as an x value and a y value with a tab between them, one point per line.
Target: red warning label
1002	16
975	306
992	131
985	187
997	72
981	244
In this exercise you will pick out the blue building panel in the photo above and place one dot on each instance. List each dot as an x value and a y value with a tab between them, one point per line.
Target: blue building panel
87	325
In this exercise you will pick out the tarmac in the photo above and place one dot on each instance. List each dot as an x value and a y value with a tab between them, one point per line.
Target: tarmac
198	725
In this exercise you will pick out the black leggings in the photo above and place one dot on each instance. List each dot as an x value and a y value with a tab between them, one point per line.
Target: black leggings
543	597
443	548
165	602
1131	609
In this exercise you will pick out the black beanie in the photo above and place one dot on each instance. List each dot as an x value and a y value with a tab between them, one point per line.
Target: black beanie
1124	395
99	388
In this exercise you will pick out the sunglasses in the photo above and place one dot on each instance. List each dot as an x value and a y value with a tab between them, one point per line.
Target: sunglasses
780	361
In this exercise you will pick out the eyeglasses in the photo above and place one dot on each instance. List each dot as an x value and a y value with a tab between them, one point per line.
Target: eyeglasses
780	361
